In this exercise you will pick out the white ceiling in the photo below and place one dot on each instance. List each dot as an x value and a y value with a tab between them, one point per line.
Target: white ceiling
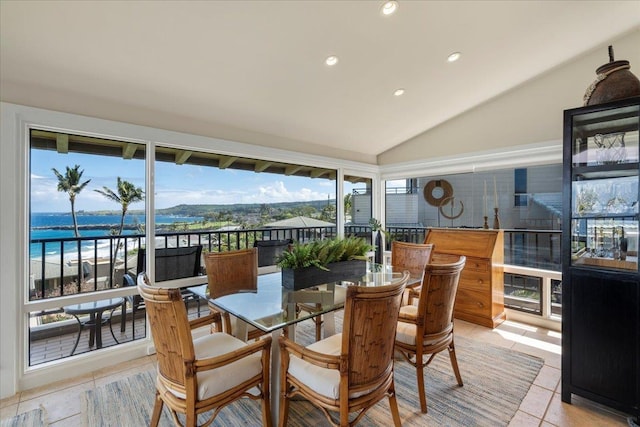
259	65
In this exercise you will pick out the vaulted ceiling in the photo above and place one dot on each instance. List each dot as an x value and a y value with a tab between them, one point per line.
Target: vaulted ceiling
260	66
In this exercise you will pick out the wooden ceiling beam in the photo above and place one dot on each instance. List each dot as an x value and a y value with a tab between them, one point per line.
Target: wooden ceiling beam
182	156
317	173
62	143
128	151
226	161
261	166
292	170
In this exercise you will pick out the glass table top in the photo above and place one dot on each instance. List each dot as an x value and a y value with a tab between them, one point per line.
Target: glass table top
272	306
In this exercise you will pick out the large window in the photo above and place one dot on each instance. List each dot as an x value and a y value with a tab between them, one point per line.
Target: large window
87	200
88	232
528	203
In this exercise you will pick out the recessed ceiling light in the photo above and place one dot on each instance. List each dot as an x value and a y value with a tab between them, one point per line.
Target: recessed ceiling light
331	60
398	92
389	7
454	57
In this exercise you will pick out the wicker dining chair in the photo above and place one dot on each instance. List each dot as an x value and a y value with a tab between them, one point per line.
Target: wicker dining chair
427	329
412	257
351	371
208	373
228	273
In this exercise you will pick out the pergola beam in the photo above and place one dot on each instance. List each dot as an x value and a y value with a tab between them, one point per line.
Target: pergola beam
293	169
226	161
317	173
62	143
261	166
128	151
182	156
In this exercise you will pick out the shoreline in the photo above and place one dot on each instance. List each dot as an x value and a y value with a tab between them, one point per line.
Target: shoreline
85	227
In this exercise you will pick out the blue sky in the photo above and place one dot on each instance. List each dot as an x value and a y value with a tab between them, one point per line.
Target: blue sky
175	184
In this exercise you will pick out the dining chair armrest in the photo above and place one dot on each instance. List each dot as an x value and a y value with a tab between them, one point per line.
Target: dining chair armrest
323	360
211	318
262	345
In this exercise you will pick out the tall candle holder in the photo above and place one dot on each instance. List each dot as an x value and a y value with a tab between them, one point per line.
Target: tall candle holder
496	219
486	223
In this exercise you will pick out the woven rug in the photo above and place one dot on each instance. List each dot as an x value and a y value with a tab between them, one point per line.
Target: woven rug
33	418
495	382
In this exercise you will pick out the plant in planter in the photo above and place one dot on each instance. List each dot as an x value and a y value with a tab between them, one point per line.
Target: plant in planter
323	261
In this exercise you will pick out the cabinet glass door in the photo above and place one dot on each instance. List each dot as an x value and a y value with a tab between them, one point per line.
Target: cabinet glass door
604	191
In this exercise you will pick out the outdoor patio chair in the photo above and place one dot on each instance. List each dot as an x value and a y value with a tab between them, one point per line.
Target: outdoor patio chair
351	371
412	257
208	373
135	301
270	250
427	329
175	263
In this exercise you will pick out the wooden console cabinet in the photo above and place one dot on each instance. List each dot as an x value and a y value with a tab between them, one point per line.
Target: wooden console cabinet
480	296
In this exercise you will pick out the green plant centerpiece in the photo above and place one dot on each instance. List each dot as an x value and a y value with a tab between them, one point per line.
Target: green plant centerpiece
323	261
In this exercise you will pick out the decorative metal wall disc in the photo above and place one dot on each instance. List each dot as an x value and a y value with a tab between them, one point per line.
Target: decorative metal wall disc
444	185
446	202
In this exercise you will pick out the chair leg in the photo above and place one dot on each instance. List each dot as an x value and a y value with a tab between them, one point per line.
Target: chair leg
133	322
157	410
191	420
111	326
284	407
318	321
393	404
454	363
80	327
421	390
123	317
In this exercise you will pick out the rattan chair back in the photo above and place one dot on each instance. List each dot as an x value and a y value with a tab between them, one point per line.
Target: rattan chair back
412	257
192	385
437	299
368	334
170	330
363	357
231	271
427	329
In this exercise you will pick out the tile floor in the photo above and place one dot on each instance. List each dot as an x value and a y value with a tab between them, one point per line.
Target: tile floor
541	407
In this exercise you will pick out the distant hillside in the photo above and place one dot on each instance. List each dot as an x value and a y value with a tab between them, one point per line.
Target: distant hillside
203	210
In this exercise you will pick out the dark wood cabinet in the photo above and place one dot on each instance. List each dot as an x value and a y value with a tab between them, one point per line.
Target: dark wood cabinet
600	278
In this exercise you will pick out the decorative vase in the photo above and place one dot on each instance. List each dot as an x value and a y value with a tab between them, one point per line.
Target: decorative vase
614	81
301	278
378	245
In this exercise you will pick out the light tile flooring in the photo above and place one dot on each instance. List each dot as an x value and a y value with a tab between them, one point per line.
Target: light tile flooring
541	407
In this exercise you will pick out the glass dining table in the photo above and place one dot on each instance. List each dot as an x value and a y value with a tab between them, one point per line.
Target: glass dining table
272	307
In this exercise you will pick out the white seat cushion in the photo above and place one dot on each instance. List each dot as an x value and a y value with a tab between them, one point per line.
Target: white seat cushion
219	380
406	332
321	380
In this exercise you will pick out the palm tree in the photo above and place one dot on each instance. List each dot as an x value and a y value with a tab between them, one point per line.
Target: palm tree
70	183
348	203
127	193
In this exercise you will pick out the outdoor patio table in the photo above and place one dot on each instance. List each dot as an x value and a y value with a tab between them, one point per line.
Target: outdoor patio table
94	309
272	308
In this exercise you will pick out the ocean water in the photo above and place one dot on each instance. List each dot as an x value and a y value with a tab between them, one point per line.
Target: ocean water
43	226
